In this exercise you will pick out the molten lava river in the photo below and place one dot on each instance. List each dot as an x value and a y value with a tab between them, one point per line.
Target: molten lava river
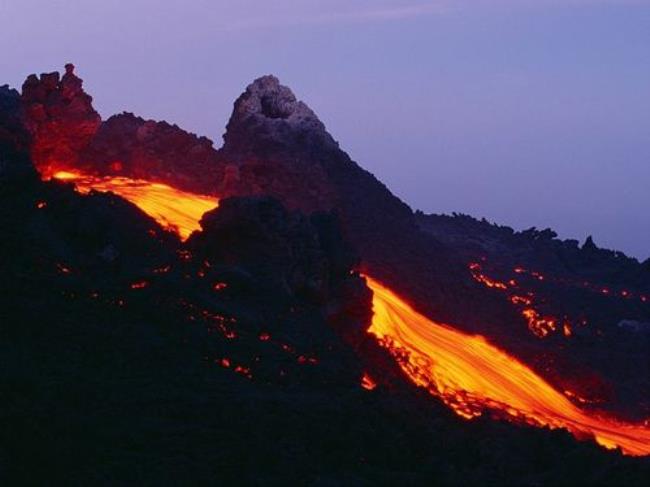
469	374
174	209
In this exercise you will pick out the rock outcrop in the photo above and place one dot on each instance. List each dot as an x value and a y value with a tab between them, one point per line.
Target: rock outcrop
267	118
292	254
13	135
14	139
127	145
60	118
271	146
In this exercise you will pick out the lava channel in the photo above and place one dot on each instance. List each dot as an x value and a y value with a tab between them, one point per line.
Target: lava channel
469	374
174	209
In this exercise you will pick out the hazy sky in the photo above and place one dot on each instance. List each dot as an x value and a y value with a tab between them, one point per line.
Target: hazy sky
528	112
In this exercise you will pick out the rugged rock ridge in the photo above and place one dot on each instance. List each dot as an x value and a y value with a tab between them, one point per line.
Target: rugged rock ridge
14	139
13	135
474	237
60	118
67	133
127	145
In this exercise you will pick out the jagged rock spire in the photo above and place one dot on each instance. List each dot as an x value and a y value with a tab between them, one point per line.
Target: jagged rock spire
59	116
589	244
271	115
14	139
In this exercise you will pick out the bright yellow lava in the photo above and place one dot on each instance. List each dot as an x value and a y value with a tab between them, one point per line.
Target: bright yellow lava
470	375
172	208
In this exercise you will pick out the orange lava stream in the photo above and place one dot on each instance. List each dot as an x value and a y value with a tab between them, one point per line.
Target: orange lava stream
174	209
471	375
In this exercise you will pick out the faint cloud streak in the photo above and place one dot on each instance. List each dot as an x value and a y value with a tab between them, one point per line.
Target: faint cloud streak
346	15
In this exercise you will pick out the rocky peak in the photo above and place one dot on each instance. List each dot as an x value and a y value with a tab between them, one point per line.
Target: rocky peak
7	93
267	98
270	114
71	85
59	116
12	133
276	145
14	139
589	244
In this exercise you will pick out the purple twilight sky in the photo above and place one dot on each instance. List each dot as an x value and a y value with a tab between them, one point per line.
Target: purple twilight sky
526	112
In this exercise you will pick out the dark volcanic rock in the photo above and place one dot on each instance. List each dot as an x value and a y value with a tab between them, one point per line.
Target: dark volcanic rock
126	145
60	117
293	254
14	139
270	145
13	134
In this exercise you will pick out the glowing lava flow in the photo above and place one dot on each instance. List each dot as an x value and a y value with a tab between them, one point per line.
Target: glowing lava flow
466	372
172	208
471	375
